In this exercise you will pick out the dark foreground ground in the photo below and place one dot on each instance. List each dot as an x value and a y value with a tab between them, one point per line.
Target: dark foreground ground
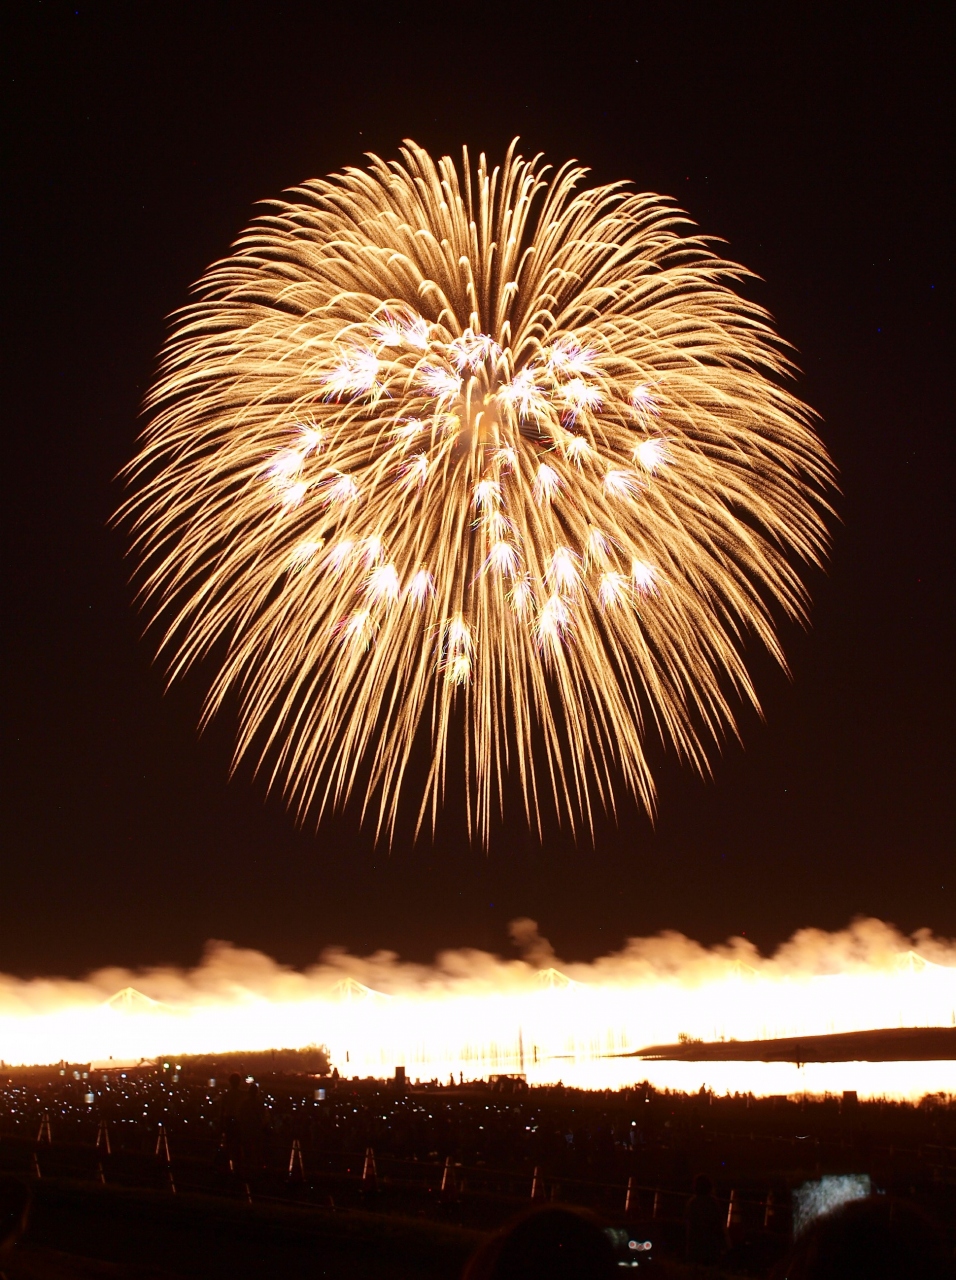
145	1174
79	1230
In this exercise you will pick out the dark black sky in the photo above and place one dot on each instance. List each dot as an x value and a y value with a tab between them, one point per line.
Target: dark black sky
813	140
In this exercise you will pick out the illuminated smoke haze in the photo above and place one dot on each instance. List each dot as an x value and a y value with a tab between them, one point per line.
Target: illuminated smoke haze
475	1012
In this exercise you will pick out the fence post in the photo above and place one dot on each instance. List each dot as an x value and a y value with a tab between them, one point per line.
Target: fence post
296	1167
162	1142
162	1154
448	1187
369	1175
769	1210
734	1217
630	1198
103	1137
733	1211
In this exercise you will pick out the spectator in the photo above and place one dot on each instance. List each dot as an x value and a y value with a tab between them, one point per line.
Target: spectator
250	1124
879	1238
230	1117
705	1224
545	1244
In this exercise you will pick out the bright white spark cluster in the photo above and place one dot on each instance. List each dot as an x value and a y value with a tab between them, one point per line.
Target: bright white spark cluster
444	452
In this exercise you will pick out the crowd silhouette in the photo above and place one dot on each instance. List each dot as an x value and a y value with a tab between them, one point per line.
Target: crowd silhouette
694	1181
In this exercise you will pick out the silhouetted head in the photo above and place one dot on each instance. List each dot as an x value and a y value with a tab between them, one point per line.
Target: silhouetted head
878	1238
545	1244
703	1185
235	1080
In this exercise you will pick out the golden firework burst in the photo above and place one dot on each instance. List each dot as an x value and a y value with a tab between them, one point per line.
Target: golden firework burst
438	451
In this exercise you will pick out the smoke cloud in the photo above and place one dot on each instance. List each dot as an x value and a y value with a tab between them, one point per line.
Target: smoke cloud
226	974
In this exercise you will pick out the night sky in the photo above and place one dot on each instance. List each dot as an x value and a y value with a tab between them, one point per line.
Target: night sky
812	139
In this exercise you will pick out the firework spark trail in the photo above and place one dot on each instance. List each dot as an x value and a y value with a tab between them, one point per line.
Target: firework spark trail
433	442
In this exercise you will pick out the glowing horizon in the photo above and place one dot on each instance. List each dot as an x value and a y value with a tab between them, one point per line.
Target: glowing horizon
476	1013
